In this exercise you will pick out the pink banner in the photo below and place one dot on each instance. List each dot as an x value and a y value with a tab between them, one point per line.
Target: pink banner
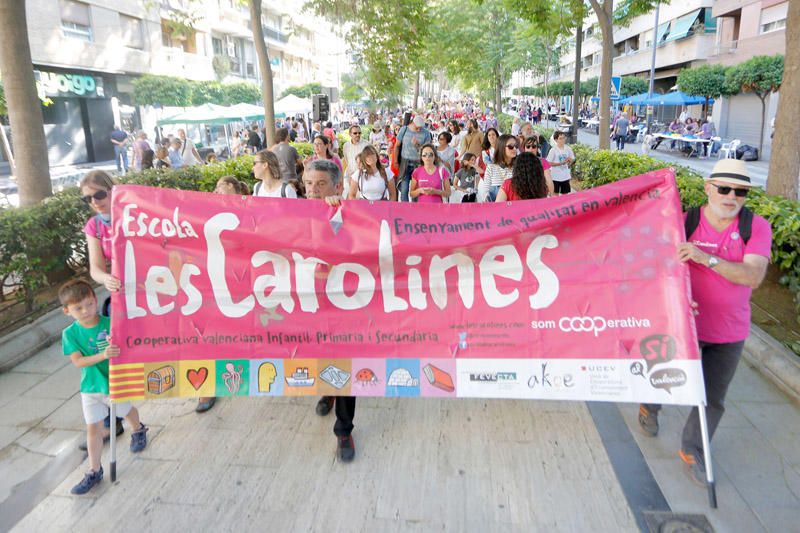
590	278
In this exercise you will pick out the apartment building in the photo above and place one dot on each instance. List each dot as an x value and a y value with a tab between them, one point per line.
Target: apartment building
87	53
686	35
747	28
690	33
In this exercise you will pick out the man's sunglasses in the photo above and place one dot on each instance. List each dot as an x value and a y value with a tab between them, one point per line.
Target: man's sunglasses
99	195
725	190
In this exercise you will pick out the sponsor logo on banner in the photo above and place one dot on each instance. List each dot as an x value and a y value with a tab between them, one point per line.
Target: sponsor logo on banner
606	380
657	349
549	380
597	324
493	377
668	378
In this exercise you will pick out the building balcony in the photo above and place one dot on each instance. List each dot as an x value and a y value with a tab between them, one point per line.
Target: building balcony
725	8
734	52
176	62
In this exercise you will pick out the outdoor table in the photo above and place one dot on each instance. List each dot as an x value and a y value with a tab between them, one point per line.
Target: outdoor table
691	141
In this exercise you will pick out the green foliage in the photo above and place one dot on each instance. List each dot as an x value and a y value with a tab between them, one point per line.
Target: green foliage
243	92
3	105
304	149
630	85
760	75
504	122
178	92
221	65
388	41
352	90
240	168
705	80
162	90
204	92
599	167
303	91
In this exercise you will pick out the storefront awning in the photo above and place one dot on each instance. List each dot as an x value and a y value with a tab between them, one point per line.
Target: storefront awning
683	25
663	29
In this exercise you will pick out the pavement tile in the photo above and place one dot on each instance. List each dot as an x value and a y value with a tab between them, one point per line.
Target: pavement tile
9	434
732	514
62	384
13	384
750	386
56	513
779	424
50	441
68	415
27	411
19	465
48	361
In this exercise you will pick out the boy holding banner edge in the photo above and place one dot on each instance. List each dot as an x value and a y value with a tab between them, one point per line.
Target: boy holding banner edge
87	343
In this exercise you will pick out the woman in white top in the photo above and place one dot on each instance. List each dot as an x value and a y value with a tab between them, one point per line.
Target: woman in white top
267	169
372	181
447	154
458	134
189	153
502	167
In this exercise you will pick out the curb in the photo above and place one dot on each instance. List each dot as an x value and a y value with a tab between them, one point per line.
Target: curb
25	342
774	360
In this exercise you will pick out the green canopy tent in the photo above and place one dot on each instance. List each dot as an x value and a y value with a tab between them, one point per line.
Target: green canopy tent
212	114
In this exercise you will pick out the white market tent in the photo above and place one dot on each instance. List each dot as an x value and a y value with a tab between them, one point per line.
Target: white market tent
292	105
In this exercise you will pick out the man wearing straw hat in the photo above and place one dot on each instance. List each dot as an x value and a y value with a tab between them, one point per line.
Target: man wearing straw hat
727	249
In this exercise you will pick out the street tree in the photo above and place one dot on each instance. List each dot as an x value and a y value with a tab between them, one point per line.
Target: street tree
388	40
706	80
267	89
632	85
606	18
162	90
24	107
303	91
760	75
784	163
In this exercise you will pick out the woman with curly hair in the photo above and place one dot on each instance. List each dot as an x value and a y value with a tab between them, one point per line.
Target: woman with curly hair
527	180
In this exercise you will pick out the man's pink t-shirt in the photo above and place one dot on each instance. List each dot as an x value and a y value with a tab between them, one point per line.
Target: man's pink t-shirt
93	228
724	307
434	180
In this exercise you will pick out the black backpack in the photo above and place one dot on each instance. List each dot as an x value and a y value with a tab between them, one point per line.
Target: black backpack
257	187
745	223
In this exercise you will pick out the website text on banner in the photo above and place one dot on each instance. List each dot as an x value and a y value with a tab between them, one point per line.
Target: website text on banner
578	297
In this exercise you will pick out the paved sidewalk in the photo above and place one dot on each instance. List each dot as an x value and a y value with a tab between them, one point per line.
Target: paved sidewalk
421	465
759	170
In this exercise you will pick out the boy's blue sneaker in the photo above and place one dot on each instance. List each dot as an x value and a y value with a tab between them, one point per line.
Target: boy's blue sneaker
89	480
139	439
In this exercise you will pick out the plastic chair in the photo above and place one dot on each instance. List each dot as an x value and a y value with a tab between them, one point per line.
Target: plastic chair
729	149
641	134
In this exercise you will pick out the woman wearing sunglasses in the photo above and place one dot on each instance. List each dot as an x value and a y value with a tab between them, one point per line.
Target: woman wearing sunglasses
96	192
430	183
499	170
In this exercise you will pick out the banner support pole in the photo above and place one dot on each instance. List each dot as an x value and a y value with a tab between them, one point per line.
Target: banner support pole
712	490
113	443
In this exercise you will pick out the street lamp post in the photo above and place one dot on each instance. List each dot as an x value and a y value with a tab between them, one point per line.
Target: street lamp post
652	72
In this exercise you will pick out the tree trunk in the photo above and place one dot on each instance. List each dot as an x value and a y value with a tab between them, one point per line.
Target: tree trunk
267	91
576	88
24	107
763	99
603	13
416	91
784	162
498	91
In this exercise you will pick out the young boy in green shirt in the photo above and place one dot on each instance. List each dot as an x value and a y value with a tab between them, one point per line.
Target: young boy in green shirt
87	342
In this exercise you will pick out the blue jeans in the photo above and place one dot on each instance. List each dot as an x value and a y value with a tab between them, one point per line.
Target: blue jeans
121	151
405	179
492	195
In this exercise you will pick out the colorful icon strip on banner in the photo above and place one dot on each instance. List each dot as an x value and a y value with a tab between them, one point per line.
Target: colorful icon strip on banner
556	379
549	288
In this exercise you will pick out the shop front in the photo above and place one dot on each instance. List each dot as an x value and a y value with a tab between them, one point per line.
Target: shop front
78	115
